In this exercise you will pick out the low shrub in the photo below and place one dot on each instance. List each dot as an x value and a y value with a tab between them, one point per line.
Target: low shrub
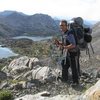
6	95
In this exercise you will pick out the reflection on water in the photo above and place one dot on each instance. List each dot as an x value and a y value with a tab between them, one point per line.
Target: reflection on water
37	38
6	52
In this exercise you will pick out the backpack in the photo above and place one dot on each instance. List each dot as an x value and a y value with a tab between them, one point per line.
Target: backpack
82	35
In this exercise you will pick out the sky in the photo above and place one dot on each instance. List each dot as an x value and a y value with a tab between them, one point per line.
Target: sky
87	9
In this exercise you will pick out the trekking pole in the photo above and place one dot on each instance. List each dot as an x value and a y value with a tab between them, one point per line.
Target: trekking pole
92	48
87	51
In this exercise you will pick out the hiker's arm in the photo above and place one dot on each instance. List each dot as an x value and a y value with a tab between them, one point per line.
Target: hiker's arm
72	42
71	46
61	45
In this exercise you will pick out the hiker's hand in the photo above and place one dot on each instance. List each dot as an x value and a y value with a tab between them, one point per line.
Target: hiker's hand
56	42
60	47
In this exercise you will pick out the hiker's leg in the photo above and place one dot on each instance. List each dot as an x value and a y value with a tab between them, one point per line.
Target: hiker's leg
74	69
65	67
78	62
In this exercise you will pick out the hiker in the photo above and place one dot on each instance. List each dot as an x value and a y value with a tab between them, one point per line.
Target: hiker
70	51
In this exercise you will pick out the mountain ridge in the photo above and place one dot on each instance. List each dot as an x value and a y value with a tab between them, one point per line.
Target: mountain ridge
13	23
37	24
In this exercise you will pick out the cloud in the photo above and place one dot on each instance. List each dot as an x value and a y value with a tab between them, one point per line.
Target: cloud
88	9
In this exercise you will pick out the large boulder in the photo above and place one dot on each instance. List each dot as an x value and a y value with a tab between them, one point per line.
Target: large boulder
46	96
93	93
34	97
29	68
22	64
3	75
42	73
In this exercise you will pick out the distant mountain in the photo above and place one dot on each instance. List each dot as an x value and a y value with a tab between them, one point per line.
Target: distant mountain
96	30
89	23
8	12
14	23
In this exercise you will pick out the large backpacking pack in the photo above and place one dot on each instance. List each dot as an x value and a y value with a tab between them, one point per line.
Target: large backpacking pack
82	34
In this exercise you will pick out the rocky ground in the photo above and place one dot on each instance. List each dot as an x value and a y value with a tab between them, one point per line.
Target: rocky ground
20	70
90	75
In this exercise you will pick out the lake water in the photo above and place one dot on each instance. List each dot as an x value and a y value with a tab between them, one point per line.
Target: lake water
35	38
7	52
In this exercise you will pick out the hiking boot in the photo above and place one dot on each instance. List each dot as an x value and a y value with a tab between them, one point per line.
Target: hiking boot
74	84
62	79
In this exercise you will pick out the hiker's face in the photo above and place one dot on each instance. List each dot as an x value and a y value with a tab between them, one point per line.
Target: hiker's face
63	27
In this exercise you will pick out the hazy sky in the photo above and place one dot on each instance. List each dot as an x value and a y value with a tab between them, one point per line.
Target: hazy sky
88	9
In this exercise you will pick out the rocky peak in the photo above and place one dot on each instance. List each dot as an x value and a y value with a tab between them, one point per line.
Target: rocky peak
37	24
8	12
